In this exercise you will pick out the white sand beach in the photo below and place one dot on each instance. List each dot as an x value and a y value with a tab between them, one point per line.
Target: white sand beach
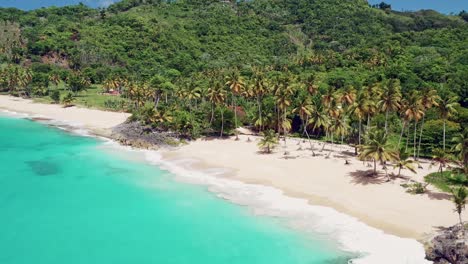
96	120
329	182
320	180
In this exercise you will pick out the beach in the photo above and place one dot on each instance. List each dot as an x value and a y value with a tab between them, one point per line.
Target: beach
319	180
98	121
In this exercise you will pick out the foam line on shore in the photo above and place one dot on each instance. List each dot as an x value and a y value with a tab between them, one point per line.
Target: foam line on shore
371	244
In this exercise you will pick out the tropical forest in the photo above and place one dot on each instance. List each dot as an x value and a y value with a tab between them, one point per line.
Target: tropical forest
394	85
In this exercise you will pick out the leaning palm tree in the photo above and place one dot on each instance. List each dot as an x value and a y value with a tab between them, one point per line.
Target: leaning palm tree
447	104
269	141
403	162
390	100
376	148
459	199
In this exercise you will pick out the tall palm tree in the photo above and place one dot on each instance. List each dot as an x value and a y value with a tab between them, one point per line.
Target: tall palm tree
217	96
414	111
359	109
283	95
447	104
235	82
259	89
429	98
390	99
459	199
377	148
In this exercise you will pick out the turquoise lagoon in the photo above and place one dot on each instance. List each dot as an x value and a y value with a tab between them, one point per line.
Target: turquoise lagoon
71	199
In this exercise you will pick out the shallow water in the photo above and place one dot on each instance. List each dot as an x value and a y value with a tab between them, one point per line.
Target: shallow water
68	199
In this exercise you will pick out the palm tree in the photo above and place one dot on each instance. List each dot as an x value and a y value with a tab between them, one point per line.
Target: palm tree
377	148
390	100
414	111
441	158
447	104
359	110
304	110
429	99
461	148
68	100
269	141
403	162
259	89
283	93
235	82
459	199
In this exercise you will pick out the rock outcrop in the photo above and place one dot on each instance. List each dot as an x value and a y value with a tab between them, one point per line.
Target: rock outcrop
138	135
449	246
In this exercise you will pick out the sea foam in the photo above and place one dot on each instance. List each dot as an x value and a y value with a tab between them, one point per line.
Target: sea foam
373	246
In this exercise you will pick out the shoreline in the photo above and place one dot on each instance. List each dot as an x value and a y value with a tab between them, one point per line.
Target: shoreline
208	157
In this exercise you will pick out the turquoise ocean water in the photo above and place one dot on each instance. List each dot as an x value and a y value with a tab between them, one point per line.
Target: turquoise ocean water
67	199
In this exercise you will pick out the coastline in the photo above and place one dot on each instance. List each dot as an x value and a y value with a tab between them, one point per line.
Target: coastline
206	156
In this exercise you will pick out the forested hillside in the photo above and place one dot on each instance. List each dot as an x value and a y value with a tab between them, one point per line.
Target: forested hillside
205	66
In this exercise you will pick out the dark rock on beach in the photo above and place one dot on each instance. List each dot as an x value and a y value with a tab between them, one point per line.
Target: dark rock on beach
449	246
137	135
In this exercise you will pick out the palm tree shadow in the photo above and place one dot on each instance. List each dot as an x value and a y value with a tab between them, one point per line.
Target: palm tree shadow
366	177
438	195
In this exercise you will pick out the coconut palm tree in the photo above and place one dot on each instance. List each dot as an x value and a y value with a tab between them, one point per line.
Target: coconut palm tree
459	199
359	109
413	111
216	95
390	99
461	148
68	100
236	84
377	148
268	141
447	104
429	98
403	162
441	158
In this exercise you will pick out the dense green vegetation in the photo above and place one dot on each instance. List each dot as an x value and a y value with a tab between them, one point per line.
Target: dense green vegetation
326	69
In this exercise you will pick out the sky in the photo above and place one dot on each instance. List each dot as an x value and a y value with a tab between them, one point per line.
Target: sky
33	4
443	6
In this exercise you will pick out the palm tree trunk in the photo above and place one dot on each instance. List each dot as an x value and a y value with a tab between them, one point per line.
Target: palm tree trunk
443	141
407	137
222	122
386	122
375	166
260	112
212	113
420	137
235	110
414	139
360	121
403	125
